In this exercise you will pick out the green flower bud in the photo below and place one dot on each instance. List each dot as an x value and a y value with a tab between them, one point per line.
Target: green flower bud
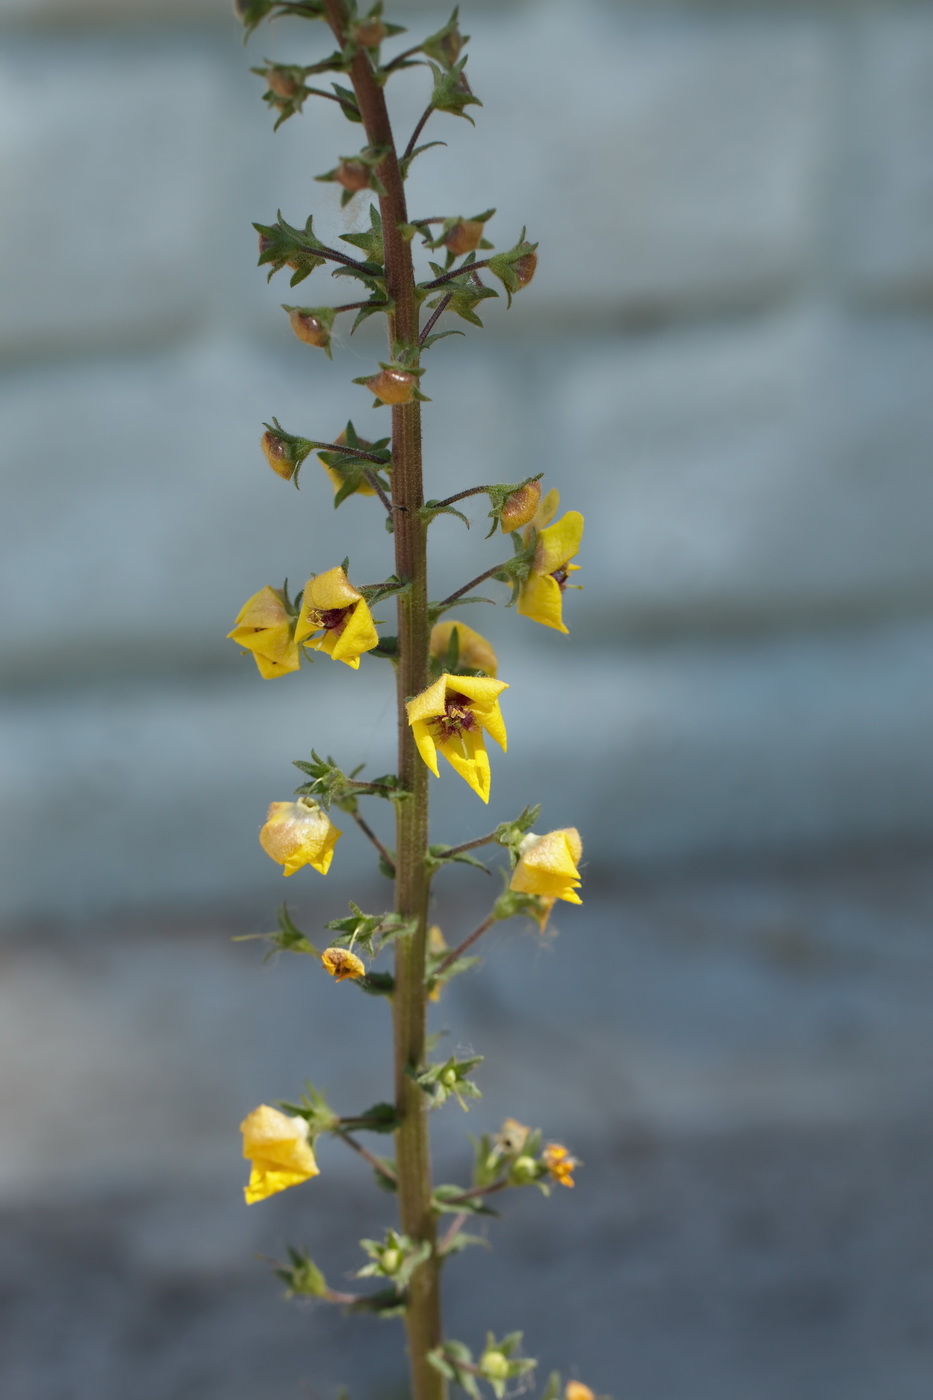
494	1365
524	1170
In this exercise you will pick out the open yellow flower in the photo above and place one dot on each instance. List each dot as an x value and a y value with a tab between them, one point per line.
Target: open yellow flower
279	1150
332	606
449	718
299	833
476	654
541	596
559	1163
265	627
576	1390
341	963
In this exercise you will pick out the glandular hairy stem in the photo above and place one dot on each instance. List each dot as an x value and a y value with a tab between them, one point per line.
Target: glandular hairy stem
413	1162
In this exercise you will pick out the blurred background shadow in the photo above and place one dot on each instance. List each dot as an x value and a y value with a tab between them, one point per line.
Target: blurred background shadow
725	362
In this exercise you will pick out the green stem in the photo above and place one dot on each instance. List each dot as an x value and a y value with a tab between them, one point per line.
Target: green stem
409	1003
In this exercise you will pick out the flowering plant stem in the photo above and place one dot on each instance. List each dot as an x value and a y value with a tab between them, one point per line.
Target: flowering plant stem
413	1162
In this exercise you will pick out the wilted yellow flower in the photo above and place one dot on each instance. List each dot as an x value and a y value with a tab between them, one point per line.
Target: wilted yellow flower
299	833
576	1390
547	866
342	964
279	1150
449	718
475	652
559	1163
512	1136
265	627
540	597
364	489
332	606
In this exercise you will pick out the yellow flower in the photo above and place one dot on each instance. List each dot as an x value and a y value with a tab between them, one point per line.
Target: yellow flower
576	1390
364	489
341	964
332	606
559	1163
265	627
547	865
449	718
475	652
279	1150
299	833
541	596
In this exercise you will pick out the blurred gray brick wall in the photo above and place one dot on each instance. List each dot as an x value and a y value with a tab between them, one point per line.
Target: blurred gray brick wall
725	361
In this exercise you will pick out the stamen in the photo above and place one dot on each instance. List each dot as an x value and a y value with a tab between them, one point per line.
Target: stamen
561	576
456	719
332	619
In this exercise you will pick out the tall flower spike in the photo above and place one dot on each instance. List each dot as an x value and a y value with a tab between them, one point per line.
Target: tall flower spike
299	833
279	1150
547	867
332	606
449	718
541	596
265	627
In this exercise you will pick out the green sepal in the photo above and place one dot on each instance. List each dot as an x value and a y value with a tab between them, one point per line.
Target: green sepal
362	929
370	157
500	493
499	1365
553	1387
303	1278
324	314
511	834
445	46
449	1078
329	784
512	903
501	265
296	248
441	239
452	91
314	1109
396	1258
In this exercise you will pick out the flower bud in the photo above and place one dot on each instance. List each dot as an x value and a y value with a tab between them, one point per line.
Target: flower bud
278	454
525	268
495	1365
369	33
520	507
524	1170
391	1260
342	964
354	175
309	328
576	1390
449	1078
392	386
464	237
